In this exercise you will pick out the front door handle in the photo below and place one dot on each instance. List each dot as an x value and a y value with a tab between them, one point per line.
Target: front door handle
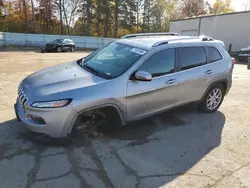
171	81
209	72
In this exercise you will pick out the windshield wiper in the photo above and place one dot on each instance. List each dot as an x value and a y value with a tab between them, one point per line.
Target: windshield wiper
96	72
91	69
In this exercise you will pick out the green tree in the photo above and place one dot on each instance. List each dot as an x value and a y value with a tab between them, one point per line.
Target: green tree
3	25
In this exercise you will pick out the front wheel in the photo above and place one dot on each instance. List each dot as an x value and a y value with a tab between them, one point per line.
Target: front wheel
59	49
213	99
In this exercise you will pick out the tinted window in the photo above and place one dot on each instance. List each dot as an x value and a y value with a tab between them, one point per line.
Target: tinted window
160	63
58	41
191	57
213	55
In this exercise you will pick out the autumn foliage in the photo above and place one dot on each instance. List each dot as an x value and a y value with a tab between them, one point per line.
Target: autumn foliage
109	18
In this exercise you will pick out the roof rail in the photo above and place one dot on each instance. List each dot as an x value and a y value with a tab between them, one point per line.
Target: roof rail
202	38
150	34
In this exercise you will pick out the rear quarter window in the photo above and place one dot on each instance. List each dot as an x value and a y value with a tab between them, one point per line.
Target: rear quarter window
213	55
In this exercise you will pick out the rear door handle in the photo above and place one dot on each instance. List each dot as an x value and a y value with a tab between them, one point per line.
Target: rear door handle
171	81
209	72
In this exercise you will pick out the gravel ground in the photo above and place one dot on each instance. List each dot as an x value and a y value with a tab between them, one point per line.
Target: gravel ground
180	148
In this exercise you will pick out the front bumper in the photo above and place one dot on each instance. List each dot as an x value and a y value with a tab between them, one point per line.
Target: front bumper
57	122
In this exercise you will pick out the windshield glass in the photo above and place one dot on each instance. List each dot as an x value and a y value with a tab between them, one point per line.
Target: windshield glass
113	60
58	41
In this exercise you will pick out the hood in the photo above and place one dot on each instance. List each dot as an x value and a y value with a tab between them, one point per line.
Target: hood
55	82
245	49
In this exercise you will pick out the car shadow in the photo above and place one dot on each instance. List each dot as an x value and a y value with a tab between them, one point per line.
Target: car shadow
162	147
169	144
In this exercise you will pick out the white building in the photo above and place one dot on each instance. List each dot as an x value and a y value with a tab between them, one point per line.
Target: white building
231	28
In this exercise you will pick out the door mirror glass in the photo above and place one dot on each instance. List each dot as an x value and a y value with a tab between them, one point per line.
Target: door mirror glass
143	76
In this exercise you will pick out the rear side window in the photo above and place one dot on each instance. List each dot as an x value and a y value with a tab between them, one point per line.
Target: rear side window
213	55
67	41
160	63
190	57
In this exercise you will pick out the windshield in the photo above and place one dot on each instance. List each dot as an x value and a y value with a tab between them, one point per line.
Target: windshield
58	40
113	60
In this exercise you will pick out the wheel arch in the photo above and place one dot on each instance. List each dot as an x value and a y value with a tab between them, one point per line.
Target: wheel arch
222	82
113	106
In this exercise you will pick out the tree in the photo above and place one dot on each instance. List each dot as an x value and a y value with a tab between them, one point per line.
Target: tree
247	5
222	6
60	14
2	17
190	8
116	18
147	10
70	10
25	15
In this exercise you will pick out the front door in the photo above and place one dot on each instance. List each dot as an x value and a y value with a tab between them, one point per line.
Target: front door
145	98
65	45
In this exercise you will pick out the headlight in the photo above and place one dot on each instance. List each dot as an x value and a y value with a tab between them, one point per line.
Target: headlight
51	104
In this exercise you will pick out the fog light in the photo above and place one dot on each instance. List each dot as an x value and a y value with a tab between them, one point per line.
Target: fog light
36	119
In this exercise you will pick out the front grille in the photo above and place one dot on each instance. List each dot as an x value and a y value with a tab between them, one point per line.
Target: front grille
21	96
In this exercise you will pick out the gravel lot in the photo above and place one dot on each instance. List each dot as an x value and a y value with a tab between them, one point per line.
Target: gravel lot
180	148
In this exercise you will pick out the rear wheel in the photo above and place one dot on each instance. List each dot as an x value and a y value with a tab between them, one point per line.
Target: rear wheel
213	99
72	49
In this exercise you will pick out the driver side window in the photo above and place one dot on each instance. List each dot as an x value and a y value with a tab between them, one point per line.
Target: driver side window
160	63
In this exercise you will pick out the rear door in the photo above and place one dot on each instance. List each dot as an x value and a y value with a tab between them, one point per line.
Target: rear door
193	75
145	98
216	68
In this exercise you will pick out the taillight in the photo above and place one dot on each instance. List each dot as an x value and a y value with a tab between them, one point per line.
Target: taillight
233	61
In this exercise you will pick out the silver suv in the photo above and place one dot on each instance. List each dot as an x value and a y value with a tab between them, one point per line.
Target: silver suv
127	80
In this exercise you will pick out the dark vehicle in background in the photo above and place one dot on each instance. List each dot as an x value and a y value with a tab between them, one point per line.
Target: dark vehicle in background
59	45
244	54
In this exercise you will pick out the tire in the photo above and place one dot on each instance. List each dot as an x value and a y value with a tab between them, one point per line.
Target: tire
72	49
59	49
213	99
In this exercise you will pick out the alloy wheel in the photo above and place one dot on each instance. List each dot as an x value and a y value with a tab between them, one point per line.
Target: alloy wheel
214	98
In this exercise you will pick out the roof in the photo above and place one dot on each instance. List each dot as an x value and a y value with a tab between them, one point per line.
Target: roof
148	42
153	40
151	34
204	16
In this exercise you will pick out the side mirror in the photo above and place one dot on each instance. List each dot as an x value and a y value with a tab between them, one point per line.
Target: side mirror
143	76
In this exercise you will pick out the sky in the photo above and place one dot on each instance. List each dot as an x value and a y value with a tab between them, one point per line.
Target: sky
238	5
